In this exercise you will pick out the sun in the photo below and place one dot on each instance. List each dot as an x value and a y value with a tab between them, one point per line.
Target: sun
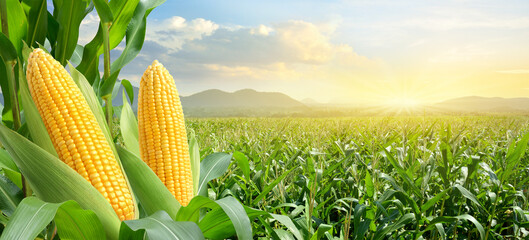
403	102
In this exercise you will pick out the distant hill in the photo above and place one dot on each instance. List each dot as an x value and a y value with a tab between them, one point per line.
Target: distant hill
485	104
246	98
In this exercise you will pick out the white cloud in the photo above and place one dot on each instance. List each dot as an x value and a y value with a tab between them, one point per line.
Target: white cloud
174	32
262	30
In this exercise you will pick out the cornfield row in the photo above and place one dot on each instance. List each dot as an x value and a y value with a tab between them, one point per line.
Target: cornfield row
413	177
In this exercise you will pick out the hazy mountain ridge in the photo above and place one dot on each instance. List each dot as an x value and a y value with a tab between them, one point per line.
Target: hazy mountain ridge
246	98
249	102
485	104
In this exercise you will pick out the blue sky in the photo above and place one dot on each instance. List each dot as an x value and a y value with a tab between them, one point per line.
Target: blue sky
341	51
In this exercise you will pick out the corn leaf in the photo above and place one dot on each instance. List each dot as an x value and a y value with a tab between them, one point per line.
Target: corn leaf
401	222
243	163
73	222
135	33
129	127
37	21
450	219
213	225
285	220
32	215
130	91
69	14
122	11
10	196
160	226
17	23
54	181
103	10
238	217
30	218
194	155
150	191
213	166
192	210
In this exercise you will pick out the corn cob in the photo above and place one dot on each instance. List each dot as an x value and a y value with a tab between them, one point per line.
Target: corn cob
75	132
162	133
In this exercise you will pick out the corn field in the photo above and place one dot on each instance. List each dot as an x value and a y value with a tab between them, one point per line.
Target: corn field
73	166
377	178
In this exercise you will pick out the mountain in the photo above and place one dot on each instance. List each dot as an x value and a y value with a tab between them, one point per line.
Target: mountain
245	98
485	104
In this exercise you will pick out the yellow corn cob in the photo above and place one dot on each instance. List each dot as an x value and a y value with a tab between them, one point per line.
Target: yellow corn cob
163	139
75	132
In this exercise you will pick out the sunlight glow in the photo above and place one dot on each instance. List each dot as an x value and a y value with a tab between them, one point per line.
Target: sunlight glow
403	102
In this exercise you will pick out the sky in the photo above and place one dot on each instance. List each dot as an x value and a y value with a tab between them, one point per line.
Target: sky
340	51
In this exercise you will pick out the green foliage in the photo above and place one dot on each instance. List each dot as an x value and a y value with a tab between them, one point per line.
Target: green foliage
376	177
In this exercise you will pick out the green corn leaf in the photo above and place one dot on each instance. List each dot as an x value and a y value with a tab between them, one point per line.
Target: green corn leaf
30	218
73	222
270	186
103	10
54	181
213	166
9	52
450	219
467	194
159	226
322	229
150	191
236	213
192	210
10	196
17	24
226	215
285	220
514	156
135	33
430	203
37	21
243	163
69	14
7	114
194	155
52	30
10	169
122	11
401	222
370	188
129	128
130	91
32	215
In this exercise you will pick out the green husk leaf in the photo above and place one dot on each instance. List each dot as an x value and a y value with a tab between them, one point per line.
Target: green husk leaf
10	196
73	222
161	226
194	155
31	216
150	191
129	127
54	181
